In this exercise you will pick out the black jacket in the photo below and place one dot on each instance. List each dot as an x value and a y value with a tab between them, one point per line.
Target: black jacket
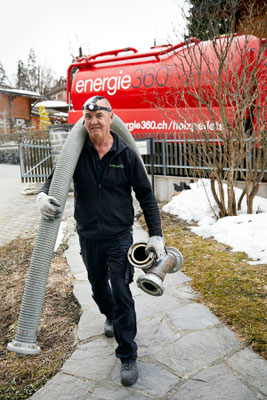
105	209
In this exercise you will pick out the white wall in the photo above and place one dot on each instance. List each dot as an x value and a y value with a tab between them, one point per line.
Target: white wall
164	188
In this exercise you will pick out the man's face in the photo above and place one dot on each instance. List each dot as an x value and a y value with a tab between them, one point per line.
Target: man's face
98	122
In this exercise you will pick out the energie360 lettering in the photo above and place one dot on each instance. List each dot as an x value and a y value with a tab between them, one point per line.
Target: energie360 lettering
112	84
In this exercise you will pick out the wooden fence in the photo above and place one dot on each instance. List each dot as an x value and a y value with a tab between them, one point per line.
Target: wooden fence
16	138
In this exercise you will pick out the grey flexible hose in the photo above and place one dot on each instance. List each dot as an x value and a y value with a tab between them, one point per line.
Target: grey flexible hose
120	128
33	297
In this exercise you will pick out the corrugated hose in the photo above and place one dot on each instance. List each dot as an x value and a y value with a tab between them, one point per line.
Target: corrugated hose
34	292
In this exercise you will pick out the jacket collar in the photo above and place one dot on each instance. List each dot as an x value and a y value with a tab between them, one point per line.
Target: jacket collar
121	143
89	144
118	145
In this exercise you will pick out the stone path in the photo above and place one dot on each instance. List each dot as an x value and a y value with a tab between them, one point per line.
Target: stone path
185	352
18	211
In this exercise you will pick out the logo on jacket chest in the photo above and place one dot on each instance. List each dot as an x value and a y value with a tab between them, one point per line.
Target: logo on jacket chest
116	165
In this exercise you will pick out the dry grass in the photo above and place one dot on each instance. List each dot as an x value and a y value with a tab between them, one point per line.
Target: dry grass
21	376
234	290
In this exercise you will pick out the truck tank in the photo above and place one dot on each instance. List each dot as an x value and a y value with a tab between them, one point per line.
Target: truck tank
148	90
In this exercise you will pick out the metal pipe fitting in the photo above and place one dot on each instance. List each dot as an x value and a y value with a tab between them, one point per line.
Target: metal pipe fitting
155	270
138	257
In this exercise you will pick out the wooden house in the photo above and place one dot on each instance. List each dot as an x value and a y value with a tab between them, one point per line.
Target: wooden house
15	110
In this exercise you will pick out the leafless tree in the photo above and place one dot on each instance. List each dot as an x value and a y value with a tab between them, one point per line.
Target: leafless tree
33	76
219	93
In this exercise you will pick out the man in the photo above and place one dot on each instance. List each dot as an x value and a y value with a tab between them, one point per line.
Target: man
105	174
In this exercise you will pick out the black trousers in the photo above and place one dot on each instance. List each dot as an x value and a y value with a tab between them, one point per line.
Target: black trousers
108	273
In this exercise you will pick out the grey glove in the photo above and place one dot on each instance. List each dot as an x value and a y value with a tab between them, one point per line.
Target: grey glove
48	206
157	245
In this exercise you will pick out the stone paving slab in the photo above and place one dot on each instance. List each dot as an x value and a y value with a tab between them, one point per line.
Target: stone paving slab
91	323
66	387
184	292
152	335
154	380
18	212
73	244
174	280
94	360
82	292
74	258
198	349
214	383
193	316
252	367
111	392
149	306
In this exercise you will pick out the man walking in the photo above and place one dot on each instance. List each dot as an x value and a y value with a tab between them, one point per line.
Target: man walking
106	172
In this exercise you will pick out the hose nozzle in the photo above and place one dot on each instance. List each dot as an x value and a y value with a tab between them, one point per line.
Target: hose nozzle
155	270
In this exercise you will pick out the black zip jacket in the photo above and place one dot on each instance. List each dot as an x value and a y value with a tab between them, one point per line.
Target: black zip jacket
105	209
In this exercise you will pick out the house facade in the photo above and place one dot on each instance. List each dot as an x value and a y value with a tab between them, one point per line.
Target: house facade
59	90
15	110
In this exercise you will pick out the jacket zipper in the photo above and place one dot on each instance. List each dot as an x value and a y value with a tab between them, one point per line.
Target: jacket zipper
100	197
100	194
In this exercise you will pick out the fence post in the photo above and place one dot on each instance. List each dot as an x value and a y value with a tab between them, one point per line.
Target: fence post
152	162
22	171
164	157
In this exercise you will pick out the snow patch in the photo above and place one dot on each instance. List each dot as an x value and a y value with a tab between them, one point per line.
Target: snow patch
245	232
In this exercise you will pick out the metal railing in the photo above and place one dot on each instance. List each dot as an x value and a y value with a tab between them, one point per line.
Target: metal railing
170	155
174	155
35	160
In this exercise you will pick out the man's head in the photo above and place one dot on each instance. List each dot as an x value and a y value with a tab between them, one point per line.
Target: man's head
94	104
98	116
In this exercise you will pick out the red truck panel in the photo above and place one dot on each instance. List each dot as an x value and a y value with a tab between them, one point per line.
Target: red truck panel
140	86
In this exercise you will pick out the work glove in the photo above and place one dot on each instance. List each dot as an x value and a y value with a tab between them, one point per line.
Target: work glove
156	244
48	206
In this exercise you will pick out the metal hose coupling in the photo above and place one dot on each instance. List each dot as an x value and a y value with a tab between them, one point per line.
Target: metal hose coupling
154	269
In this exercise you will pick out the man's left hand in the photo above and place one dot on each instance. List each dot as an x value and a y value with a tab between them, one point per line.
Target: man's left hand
156	244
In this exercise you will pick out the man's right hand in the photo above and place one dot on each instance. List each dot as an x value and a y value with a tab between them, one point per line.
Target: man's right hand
48	206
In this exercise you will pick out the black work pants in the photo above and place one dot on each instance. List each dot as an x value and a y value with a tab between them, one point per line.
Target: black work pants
107	267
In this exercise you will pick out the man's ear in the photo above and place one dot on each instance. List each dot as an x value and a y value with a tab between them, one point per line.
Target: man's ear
111	116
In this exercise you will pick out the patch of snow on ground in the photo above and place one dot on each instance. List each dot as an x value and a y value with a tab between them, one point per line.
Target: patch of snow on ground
245	232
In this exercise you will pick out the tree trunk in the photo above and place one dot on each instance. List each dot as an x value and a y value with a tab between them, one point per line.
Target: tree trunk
230	181
240	199
220	203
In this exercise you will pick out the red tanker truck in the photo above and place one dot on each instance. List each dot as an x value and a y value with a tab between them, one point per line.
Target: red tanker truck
179	88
